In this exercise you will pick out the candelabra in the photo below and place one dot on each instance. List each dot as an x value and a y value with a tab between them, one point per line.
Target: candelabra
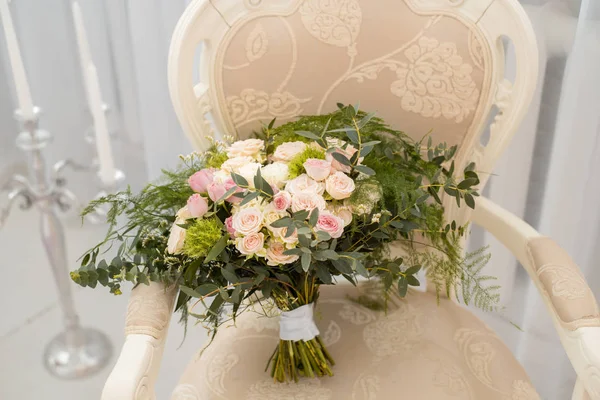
77	351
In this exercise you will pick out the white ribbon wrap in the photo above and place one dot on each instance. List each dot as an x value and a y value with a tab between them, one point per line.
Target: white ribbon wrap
298	324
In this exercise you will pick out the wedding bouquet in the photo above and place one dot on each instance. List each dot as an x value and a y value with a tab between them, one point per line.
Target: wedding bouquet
275	217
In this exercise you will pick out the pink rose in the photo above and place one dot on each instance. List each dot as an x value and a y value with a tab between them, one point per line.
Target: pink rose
229	226
197	205
317	169
216	190
331	224
247	220
348	152
200	180
291	240
251	244
307	201
339	186
275	254
282	201
229	184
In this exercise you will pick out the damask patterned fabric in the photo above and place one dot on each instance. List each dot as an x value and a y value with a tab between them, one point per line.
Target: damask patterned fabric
419	350
569	293
419	72
149	310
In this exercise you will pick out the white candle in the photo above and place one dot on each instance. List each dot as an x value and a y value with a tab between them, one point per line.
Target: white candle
16	63
105	158
85	56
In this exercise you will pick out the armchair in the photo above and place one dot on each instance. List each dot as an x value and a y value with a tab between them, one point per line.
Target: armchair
421	64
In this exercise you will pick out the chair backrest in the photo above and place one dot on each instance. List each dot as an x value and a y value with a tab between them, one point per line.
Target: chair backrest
420	64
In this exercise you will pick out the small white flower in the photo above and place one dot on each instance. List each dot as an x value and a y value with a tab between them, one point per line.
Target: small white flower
375	218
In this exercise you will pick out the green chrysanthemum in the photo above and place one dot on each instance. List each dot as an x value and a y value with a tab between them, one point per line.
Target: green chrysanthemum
296	165
201	237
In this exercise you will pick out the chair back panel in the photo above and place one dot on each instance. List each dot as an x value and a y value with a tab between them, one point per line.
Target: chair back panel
422	65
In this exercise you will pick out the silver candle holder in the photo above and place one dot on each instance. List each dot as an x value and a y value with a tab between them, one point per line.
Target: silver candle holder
76	352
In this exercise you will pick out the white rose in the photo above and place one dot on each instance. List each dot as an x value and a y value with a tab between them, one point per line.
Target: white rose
246	148
176	239
234	164
247	221
339	186
286	151
251	244
183	214
271	215
276	174
249	171
307	201
303	183
275	254
221	176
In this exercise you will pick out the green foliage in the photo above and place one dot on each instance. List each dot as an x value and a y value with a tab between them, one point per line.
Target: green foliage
201	236
296	165
215	160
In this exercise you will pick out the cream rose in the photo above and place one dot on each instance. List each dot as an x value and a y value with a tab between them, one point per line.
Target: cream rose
339	186
177	235
276	173
247	221
246	148
307	201
271	215
286	151
234	164
275	254
184	213
176	239
290	241
317	169
303	183
251	244
331	224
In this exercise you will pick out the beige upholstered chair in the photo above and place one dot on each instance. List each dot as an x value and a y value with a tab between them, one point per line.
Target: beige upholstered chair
422	65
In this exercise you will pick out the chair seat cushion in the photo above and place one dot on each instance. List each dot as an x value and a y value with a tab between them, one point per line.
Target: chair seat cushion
417	350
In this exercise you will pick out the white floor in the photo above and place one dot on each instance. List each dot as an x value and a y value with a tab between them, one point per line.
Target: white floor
31	317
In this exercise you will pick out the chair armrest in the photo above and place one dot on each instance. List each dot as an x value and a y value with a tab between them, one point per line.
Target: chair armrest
146	327
565	293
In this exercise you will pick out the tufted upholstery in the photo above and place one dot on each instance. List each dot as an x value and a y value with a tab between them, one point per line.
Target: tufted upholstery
419	350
